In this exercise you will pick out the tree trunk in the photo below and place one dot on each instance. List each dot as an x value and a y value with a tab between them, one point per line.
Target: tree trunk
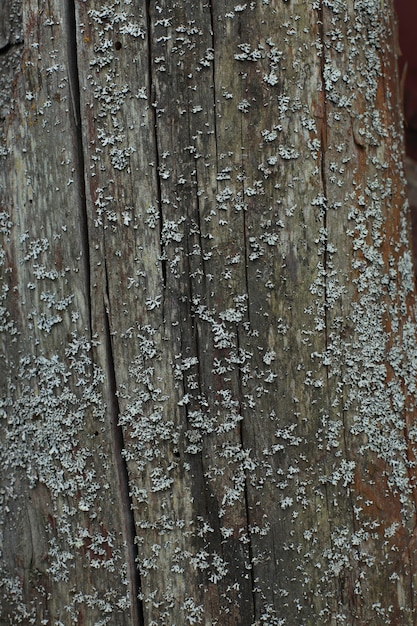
209	358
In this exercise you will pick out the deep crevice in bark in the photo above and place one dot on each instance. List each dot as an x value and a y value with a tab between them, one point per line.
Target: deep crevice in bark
213	43
246	491
341	593
242	431
118	444
154	114
240	391
10	46
113	405
74	87
323	148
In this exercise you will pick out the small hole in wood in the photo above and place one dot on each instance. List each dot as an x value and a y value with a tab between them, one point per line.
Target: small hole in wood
117	45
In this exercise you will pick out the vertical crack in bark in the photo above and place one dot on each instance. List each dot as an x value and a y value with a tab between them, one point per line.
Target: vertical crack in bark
213	45
113	405
121	467
10	46
242	435
340	592
246	492
154	117
240	386
79	169
323	149
211	5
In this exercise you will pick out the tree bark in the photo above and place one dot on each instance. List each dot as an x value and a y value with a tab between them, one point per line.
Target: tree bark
208	317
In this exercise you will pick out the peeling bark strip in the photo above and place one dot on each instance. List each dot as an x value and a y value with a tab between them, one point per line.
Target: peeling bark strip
207	318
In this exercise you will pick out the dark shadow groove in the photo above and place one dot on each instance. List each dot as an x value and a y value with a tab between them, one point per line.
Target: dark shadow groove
79	173
154	119
241	430
323	151
246	485
339	591
118	445
116	433
10	46
240	388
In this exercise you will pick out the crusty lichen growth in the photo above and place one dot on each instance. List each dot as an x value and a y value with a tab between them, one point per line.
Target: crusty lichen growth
59	513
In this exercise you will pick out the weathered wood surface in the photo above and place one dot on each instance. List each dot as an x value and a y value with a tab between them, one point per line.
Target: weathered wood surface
208	354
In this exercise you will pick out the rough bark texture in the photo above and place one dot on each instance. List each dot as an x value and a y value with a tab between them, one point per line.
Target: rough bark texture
209	360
